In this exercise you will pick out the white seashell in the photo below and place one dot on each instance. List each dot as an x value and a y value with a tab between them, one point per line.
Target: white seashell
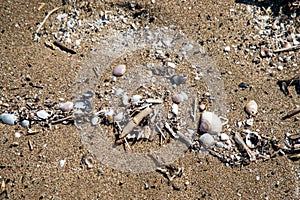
9	119
207	140
119	70
42	114
175	109
89	161
249	122
210	123
251	107
25	123
253	140
67	106
17	135
224	137
62	162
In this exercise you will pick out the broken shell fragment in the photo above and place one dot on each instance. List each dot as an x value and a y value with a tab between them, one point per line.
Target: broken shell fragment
175	109
89	162
251	107
9	119
253	140
210	123
207	140
119	70
67	106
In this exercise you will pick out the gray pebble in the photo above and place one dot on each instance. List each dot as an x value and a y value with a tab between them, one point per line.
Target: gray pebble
177	98
25	123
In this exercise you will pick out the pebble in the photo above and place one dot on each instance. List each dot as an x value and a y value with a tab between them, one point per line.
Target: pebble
67	106
42	114
17	135
202	107
249	122
227	49
207	140
280	68
177	98
219	144
171	64
175	109
9	119
62	162
119	70
251	107
224	137
125	100
25	123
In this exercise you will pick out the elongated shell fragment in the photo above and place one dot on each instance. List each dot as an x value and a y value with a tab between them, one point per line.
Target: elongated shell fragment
210	123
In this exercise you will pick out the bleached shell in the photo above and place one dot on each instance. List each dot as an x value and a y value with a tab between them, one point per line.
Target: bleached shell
210	123
207	140
9	119
67	106
25	123
251	107
136	98
253	140
42	114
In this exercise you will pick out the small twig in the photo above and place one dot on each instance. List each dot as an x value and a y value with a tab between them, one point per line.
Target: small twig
291	113
62	119
64	48
287	49
47	16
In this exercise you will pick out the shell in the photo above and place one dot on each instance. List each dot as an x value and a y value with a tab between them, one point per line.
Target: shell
136	98
251	107
224	137
253	139
210	123
119	70
207	140
9	119
67	106
42	114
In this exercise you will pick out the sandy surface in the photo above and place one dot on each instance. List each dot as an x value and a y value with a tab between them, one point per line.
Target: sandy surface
36	174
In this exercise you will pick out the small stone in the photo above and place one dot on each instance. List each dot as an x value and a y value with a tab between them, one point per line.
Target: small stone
251	107
17	135
249	122
219	144
172	65
177	98
207	140
202	107
67	106
42	114
227	49
62	162
224	137
9	119
119	117
119	70
280	68
136	98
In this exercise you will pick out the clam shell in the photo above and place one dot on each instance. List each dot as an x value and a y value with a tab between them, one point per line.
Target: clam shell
9	119
207	140
210	123
253	140
119	70
251	107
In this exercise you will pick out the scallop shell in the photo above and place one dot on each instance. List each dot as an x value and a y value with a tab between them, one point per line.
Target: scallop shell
253	140
251	107
210	123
